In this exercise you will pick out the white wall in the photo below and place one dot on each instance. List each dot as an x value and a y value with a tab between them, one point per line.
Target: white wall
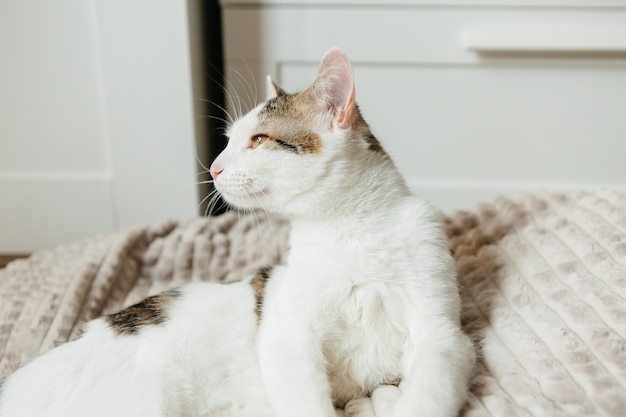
96	118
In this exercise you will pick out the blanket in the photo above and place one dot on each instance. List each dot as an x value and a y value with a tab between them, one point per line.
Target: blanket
542	279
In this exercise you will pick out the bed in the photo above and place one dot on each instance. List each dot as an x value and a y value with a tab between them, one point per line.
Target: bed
542	279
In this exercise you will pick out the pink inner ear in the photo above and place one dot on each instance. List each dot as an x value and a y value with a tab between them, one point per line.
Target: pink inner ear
334	87
341	116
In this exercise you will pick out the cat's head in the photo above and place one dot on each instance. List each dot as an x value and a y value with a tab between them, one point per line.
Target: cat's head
295	151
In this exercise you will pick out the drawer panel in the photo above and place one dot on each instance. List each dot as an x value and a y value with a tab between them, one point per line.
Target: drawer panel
399	34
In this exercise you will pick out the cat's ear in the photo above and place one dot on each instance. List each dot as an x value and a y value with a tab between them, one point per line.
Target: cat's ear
333	88
273	89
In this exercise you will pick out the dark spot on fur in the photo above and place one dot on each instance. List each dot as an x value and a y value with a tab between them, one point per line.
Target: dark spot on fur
375	148
303	143
287	146
149	312
393	381
258	286
374	144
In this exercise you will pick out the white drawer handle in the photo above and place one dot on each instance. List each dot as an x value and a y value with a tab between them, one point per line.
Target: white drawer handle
544	39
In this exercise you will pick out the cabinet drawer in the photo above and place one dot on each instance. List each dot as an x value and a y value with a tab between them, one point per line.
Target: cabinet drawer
417	34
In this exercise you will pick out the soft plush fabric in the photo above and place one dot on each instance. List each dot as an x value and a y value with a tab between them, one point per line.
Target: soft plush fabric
542	277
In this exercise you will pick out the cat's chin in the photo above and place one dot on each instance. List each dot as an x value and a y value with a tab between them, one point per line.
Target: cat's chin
247	201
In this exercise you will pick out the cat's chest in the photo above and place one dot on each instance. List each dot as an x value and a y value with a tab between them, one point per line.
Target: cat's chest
355	258
360	292
364	337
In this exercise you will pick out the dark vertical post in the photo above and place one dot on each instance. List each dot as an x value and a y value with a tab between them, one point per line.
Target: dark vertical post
214	81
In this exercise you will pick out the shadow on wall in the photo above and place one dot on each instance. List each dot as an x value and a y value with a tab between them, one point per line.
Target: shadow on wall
209	100
234	84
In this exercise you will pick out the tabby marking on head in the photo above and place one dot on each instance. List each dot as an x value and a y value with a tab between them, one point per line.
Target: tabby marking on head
148	312
302	143
286	122
258	286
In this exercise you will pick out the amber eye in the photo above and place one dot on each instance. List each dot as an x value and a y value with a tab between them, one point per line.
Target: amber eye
258	139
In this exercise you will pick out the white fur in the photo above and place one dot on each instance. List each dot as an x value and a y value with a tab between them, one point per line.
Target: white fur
201	362
367	294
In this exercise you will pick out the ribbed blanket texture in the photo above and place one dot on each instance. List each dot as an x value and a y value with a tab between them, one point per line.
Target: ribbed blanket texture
542	278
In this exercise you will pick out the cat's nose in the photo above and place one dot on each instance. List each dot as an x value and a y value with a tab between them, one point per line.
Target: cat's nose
216	169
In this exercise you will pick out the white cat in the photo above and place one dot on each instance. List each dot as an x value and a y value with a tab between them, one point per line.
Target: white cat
367	294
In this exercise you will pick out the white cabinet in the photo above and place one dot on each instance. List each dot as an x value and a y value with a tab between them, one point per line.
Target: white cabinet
471	98
97	127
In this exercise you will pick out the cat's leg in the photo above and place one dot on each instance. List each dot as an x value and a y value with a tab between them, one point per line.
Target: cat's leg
294	371
437	371
290	355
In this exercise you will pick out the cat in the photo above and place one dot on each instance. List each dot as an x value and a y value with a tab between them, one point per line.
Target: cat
367	294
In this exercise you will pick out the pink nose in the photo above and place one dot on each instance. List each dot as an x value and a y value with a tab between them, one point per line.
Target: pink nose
216	170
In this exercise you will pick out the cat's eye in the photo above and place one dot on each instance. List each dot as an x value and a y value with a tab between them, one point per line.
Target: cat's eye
258	139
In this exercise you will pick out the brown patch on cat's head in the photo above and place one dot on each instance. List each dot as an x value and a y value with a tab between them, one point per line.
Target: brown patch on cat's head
149	312
301	143
289	123
292	107
258	284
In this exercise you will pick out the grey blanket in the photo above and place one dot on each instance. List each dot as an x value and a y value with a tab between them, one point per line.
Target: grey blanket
542	278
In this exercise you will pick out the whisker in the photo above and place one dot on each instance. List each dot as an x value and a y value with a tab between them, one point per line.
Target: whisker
222	129
209	197
227	94
253	78
247	89
205	172
226	122
250	93
194	184
231	93
199	162
215	200
238	78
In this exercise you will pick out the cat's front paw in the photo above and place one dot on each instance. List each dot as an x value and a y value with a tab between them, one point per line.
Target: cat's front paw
405	408
385	399
418	406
